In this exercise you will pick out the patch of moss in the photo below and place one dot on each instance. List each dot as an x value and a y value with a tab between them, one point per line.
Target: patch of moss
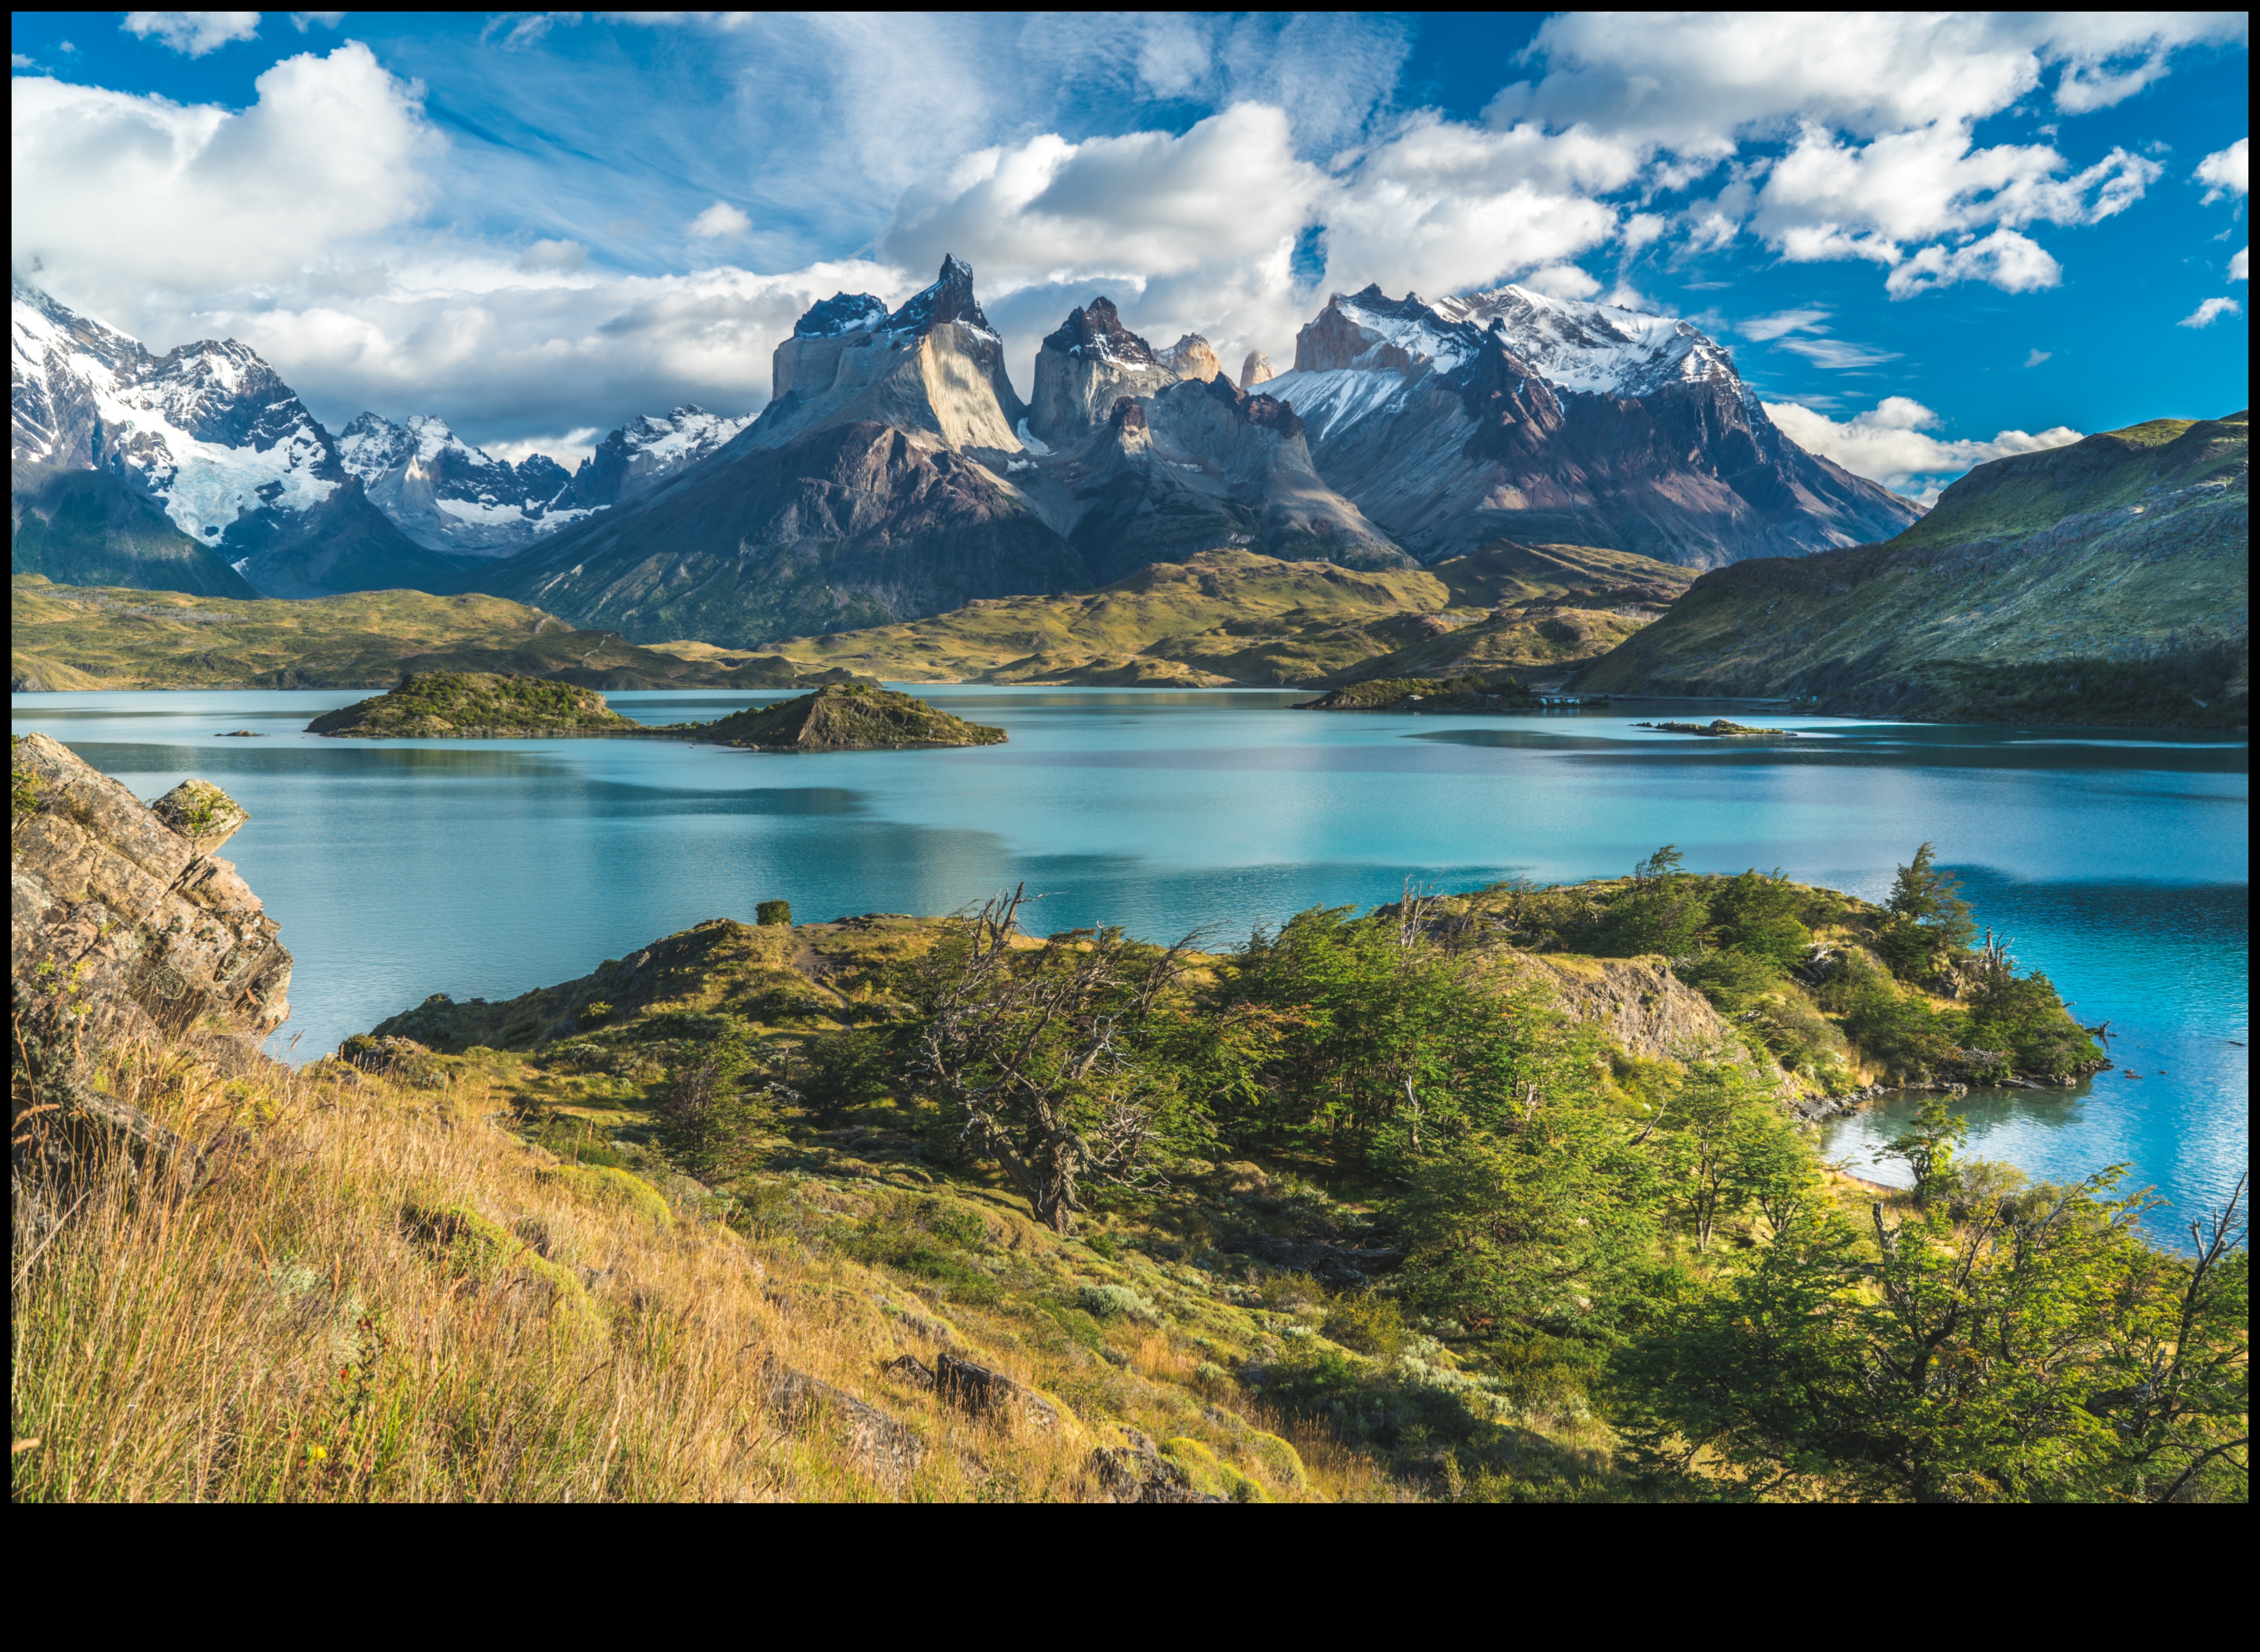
1209	1474
611	1189
474	1249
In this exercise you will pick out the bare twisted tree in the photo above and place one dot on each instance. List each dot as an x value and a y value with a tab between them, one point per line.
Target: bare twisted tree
1034	1046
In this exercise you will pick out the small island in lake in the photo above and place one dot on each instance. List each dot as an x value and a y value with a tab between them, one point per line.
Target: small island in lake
849	717
1717	728
1469	693
474	706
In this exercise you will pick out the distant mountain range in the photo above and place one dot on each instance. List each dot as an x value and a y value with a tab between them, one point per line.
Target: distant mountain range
2108	583
897	473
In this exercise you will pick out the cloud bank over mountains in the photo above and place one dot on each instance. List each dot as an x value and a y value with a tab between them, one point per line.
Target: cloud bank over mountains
1212	175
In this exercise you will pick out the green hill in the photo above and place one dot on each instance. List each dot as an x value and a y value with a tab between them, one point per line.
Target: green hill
74	636
1232	616
2108	583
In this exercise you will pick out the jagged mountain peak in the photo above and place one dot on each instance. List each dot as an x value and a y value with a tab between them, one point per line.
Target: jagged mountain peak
1095	330
1595	348
842	313
1191	357
950	298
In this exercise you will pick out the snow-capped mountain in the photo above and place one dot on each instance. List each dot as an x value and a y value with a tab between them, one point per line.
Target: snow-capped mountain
448	496
1509	413
645	452
210	435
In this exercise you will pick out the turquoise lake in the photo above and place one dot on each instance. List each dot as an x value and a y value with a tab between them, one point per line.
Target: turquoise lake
401	868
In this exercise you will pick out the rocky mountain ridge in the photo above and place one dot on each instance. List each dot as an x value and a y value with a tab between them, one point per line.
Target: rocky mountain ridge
1510	413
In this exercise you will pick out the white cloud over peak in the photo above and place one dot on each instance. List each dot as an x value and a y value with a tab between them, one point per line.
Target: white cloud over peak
193	33
2210	311
1892	443
113	196
2229	171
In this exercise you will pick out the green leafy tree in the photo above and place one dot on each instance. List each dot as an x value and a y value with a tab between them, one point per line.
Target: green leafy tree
705	1119
1928	1144
1663	911
1760	916
2026	1351
1929	921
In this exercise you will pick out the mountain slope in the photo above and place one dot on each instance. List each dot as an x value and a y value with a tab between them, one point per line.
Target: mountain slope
1510	413
2108	581
216	441
91	527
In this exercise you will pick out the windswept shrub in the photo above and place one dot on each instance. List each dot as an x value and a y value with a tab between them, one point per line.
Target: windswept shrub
1368	1322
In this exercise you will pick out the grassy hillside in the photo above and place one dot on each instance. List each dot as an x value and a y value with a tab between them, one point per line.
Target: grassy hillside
88	527
704	1225
2105	583
1233	617
71	637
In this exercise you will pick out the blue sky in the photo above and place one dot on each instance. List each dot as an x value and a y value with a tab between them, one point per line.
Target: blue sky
1921	236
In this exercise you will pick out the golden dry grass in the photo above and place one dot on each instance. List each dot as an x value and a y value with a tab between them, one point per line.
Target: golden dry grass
289	1329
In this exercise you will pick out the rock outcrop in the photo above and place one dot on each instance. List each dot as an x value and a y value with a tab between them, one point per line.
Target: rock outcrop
1255	369
124	922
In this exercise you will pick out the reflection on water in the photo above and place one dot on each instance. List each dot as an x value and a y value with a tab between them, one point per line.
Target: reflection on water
399	869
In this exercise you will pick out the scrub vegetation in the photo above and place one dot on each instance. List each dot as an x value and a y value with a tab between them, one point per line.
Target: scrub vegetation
1354	1209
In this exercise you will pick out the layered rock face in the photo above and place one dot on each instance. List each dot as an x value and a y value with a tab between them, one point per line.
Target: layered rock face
212	437
1511	414
1088	364
122	919
935	367
1178	461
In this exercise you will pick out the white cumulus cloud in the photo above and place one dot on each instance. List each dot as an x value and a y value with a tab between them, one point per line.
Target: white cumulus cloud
2005	259
2240	265
2210	311
1892	443
193	33
114	195
2229	171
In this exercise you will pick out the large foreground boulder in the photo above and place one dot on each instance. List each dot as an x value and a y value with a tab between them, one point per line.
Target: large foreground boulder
124	921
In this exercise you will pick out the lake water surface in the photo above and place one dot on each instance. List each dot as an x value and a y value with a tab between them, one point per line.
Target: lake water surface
404	868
